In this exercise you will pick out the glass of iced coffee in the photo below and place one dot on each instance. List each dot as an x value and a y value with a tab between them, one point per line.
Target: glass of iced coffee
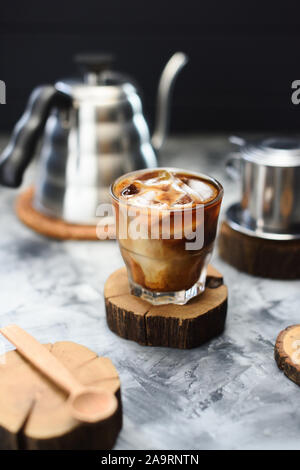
166	222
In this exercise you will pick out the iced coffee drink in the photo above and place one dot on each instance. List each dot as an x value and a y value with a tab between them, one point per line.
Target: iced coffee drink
166	221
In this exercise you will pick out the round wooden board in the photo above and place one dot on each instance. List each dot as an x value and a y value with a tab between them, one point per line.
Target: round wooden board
176	326
265	258
34	412
287	352
56	228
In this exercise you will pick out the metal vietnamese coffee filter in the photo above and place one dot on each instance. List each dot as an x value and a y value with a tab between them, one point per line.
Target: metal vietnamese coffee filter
269	175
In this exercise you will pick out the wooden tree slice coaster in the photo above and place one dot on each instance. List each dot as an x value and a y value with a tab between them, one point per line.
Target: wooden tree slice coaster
34	413
176	326
56	228
287	352
265	258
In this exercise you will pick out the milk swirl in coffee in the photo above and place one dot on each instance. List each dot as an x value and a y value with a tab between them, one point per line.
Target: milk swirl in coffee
166	263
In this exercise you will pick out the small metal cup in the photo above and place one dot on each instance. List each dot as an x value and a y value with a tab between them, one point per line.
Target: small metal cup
269	172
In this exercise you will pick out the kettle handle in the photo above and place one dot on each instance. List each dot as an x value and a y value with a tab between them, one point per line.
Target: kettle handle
19	152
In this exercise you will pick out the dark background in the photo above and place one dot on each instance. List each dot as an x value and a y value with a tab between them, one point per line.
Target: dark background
243	55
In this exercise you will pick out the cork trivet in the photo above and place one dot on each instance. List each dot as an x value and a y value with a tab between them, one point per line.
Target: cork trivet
56	228
34	413
176	326
287	352
274	259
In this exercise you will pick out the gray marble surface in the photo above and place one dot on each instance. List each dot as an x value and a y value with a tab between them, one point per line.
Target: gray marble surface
227	394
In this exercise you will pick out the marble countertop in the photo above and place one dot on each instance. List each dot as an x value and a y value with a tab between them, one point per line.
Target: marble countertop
227	394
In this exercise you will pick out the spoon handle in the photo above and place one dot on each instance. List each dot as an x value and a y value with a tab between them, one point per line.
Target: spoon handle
41	358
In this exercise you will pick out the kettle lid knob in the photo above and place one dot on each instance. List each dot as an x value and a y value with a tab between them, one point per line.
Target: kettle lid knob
93	64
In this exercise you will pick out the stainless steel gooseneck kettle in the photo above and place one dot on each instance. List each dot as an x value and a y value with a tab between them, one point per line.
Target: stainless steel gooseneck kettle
94	131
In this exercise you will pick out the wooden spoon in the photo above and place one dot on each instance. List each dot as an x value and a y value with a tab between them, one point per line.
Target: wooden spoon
88	404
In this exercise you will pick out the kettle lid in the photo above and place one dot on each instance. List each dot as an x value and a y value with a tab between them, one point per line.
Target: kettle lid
98	78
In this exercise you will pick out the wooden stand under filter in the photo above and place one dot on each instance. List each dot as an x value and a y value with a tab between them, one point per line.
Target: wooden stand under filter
34	413
176	326
277	259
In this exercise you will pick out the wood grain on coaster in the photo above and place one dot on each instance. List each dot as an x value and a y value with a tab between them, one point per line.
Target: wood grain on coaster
287	352
57	228
177	326
34	413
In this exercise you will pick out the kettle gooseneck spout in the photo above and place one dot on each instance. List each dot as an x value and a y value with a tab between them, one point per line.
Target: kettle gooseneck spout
165	88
